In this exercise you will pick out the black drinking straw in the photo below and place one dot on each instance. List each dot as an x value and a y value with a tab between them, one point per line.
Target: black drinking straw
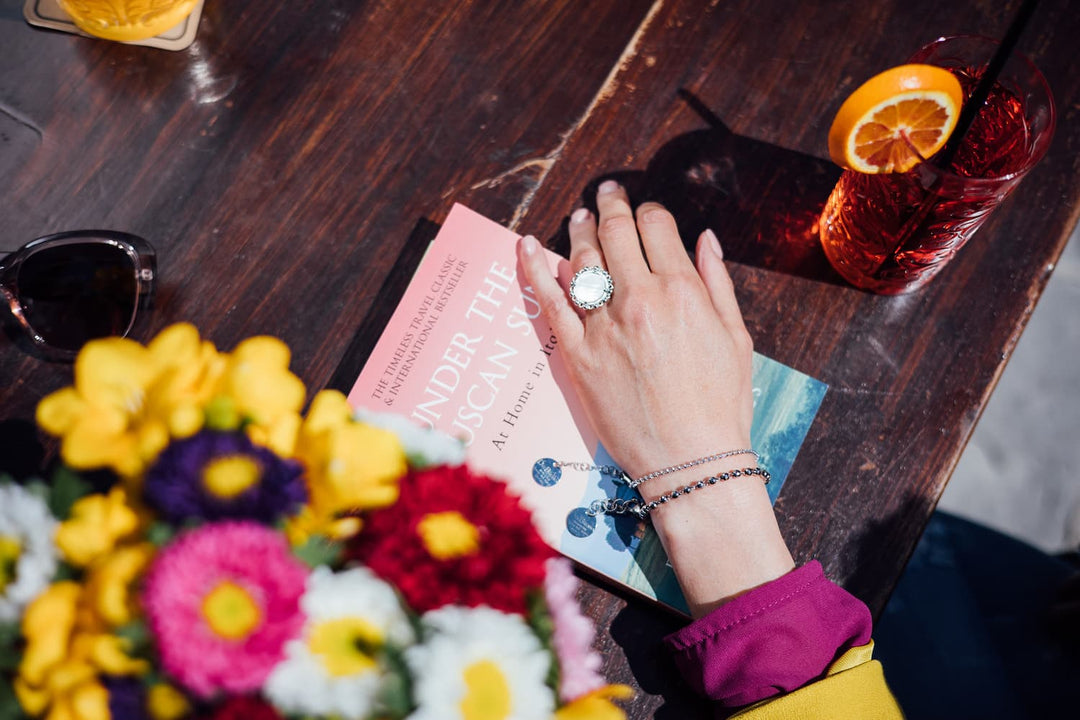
986	82
963	124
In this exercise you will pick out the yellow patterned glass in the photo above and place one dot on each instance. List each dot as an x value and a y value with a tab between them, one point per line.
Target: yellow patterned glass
127	20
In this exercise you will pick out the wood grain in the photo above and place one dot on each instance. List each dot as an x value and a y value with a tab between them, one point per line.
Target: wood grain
280	164
286	162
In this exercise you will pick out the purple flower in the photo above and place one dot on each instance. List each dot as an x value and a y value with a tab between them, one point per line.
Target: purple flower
127	698
223	475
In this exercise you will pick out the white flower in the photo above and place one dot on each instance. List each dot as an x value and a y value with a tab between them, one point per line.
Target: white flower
28	555
475	658
333	668
423	447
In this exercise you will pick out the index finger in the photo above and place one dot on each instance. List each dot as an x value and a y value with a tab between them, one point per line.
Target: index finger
554	304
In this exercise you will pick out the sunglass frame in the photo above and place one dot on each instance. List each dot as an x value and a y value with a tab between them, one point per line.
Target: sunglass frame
140	252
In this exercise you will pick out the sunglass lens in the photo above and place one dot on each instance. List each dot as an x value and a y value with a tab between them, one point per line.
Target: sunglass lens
77	292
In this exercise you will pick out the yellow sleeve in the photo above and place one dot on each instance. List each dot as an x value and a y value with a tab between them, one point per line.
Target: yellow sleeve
853	689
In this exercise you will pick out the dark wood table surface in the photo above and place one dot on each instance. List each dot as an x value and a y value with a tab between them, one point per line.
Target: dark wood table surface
284	163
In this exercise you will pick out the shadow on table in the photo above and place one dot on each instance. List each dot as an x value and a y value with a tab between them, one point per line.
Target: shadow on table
640	630
863	574
21	451
762	200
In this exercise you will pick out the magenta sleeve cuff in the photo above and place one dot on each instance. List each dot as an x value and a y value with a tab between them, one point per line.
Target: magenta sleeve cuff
772	640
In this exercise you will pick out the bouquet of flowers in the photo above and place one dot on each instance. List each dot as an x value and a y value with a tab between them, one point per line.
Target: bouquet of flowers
207	551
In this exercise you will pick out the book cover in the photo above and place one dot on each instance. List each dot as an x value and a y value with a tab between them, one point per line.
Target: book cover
468	353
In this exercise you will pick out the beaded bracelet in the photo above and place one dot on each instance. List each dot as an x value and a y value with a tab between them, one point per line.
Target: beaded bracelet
692	463
622	506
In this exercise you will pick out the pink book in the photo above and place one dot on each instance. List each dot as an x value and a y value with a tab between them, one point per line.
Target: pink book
466	352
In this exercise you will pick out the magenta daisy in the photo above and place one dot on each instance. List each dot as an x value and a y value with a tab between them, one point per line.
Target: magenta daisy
222	601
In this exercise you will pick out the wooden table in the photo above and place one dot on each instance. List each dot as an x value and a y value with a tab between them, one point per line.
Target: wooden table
283	164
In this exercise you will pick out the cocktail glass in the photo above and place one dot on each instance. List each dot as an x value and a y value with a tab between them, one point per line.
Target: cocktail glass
891	233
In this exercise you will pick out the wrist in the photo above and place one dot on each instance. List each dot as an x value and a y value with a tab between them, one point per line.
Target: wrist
722	542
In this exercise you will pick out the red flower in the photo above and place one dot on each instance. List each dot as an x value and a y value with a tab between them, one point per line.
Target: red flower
454	538
245	708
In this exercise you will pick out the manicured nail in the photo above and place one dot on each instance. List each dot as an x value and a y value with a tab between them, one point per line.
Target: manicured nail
714	242
608	186
529	245
580	215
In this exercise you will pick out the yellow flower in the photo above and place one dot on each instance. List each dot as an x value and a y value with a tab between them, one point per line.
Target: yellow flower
278	436
256	378
166	702
102	418
47	625
88	700
597	705
97	523
128	401
109	584
106	653
67	649
350	465
191	369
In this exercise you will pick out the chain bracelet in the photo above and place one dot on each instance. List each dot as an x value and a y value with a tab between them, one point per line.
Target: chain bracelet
612	471
619	474
692	463
621	506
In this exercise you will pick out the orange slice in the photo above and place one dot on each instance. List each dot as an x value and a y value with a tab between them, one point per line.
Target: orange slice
127	20
894	118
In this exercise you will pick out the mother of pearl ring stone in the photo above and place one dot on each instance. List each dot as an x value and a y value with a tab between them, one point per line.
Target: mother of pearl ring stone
591	287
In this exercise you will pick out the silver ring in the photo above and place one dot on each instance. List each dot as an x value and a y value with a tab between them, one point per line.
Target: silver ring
591	287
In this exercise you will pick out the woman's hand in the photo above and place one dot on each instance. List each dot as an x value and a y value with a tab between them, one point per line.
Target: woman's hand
664	373
664	368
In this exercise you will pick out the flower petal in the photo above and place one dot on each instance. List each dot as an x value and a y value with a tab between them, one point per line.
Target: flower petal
177	344
114	372
47	626
58	411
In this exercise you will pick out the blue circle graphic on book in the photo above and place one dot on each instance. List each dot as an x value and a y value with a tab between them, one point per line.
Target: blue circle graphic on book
546	472
580	523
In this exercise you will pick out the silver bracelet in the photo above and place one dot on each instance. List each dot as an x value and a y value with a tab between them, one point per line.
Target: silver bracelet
623	506
692	463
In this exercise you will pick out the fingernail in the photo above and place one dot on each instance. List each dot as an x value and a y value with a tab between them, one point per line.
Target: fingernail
529	245
714	242
580	215
656	215
608	186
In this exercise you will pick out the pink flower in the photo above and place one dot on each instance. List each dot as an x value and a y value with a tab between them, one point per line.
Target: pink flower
222	601
579	664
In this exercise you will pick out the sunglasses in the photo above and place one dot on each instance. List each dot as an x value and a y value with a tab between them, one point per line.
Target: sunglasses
71	287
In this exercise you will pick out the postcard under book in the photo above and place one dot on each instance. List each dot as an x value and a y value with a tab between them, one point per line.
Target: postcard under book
468	353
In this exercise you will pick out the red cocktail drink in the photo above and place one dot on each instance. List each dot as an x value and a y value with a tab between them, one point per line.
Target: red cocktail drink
892	232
